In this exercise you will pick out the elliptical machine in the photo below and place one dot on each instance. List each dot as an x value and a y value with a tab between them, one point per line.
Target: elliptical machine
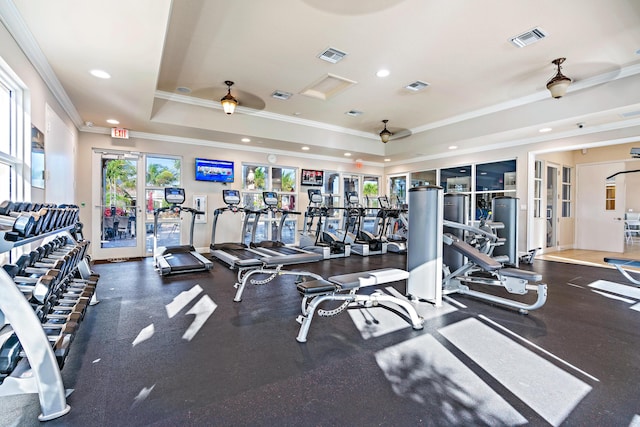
320	240
363	242
389	225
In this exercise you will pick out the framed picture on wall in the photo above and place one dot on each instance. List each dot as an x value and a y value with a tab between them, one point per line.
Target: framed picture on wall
37	158
311	177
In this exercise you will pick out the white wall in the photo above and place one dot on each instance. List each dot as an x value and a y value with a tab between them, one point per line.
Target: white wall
39	97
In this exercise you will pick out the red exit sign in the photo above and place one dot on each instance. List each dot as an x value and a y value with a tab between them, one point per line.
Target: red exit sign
120	133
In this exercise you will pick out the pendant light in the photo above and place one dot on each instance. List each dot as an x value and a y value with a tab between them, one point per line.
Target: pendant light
229	103
559	84
385	134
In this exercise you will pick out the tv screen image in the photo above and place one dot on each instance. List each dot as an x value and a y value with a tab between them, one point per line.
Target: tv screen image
311	177
214	170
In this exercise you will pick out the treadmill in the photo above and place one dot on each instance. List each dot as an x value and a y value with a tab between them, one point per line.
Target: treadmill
236	255
275	247
181	258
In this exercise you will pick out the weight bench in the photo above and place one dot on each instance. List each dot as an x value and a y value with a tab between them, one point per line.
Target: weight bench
345	288
485	270
621	263
272	265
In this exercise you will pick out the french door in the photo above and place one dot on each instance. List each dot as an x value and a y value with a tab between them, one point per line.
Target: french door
117	229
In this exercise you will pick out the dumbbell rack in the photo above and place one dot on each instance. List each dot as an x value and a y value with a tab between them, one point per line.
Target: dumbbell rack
40	372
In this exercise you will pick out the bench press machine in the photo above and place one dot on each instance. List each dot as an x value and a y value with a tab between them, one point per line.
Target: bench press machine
621	263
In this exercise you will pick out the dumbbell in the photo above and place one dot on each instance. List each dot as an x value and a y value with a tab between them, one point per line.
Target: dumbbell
9	354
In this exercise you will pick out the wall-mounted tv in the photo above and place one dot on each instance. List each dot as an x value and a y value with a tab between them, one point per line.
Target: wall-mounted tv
311	177
214	170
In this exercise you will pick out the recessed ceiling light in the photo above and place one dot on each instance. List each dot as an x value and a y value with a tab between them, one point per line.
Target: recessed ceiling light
543	130
354	113
453	147
245	140
387	160
100	74
305	148
183	89
382	73
347	154
113	122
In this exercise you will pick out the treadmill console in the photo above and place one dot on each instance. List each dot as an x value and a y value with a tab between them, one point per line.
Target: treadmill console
352	197
231	197
174	195
315	196
270	198
384	202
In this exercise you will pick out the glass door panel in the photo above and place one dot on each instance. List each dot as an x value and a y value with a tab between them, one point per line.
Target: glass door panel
116	220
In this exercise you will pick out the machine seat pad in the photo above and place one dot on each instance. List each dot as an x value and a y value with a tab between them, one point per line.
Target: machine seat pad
313	287
483	260
623	262
369	278
521	274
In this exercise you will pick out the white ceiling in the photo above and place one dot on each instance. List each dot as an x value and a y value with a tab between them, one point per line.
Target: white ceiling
483	91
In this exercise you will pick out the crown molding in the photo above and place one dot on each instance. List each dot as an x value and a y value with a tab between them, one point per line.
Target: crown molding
14	23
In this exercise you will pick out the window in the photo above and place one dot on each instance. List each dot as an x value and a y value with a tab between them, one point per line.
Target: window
423	178
610	195
537	190
566	192
398	189
161	172
456	180
258	178
12	130
370	191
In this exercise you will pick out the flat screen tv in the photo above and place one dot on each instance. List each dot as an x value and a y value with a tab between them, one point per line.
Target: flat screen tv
214	170
311	177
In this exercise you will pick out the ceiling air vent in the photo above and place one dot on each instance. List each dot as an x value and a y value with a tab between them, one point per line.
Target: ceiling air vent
354	113
280	94
529	37
332	55
416	86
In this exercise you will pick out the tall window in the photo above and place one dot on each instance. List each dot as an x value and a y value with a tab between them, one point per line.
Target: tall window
370	191
283	180
566	192
537	190
161	172
11	131
398	189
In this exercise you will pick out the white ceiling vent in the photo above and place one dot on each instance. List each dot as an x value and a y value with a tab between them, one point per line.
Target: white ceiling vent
332	55
416	86
327	87
354	113
529	37
280	94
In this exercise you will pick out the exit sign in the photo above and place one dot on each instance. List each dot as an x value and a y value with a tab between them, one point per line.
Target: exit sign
120	133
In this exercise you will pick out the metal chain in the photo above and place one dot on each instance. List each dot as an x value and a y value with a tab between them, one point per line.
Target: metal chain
342	307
